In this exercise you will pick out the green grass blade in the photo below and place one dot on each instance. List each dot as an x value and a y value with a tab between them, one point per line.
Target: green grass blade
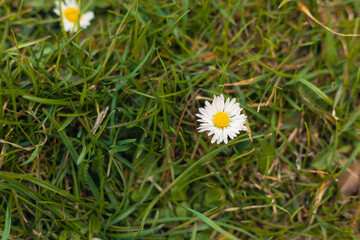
48	101
212	224
190	170
23	45
7	227
66	140
316	90
33	155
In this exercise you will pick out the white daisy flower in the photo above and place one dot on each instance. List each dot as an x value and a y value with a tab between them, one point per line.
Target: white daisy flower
70	13
223	119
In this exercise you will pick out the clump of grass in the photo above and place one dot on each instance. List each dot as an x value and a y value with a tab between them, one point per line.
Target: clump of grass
99	139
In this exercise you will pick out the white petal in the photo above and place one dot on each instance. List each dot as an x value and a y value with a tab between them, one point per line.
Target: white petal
205	126
71	3
202	111
233	130
241	117
238	118
222	103
227	105
211	132
225	136
85	19
232	135
201	130
68	26
213	139
234	109
217	132
230	110
57	4
218	135
57	8
222	97
210	108
207	104
236	125
205	113
219	140
88	16
215	105
207	118
204	120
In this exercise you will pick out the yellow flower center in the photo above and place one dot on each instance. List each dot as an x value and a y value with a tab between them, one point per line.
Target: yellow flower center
72	14
221	120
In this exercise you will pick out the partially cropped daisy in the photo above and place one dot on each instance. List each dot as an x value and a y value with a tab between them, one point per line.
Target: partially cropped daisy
70	14
223	119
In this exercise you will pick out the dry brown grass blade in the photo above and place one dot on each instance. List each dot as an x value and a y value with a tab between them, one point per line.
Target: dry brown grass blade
99	120
241	83
3	151
320	192
308	13
16	145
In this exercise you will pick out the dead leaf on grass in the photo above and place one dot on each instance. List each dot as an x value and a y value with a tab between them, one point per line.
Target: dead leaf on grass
349	182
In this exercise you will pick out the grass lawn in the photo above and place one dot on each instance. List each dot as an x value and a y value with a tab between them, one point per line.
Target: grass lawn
99	138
